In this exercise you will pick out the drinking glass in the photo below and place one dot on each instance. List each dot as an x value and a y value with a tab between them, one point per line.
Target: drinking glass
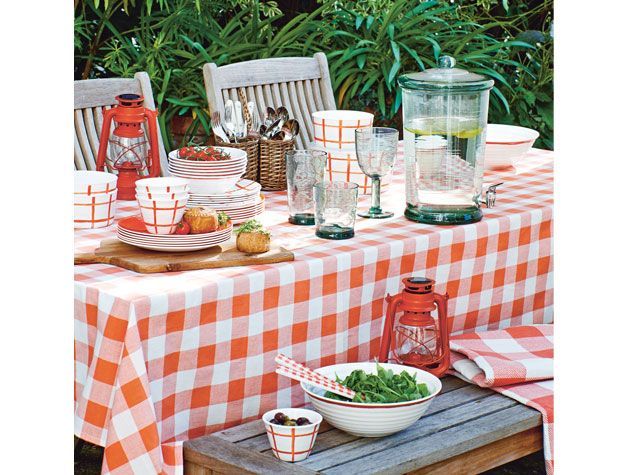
305	168
376	153
335	209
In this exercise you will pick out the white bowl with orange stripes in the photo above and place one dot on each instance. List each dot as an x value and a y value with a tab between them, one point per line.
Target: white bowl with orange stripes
334	129
292	443
505	144
342	165
371	419
94	211
89	183
94	199
162	216
162	185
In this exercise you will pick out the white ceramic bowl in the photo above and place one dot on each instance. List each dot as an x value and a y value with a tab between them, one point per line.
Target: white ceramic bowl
166	184
162	216
162	196
292	443
507	143
88	182
236	155
213	174
371	420
334	129
94	211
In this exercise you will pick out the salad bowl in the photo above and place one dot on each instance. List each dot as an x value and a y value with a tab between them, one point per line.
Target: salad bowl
371	419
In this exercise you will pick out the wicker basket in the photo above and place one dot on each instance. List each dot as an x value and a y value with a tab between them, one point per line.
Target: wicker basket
273	171
251	147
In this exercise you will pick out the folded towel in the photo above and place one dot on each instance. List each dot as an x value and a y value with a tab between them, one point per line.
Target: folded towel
516	362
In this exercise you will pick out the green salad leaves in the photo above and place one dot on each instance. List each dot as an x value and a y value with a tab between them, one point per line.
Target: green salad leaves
382	387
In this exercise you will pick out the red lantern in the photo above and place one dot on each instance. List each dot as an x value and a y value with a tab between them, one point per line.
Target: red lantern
419	337
130	152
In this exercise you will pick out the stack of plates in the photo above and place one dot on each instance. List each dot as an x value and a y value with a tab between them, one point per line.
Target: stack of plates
132	231
241	203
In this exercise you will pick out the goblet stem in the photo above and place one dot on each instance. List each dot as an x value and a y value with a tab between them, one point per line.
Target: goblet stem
376	196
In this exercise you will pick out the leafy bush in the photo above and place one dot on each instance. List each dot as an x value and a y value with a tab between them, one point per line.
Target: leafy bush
368	44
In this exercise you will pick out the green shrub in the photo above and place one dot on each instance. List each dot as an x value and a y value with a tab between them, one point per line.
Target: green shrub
368	44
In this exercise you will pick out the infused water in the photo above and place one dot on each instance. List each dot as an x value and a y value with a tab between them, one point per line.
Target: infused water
443	162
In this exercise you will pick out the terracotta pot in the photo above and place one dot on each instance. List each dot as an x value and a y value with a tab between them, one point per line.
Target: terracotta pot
179	125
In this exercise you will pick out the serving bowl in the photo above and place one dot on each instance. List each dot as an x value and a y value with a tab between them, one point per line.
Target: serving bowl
94	211
236	156
373	419
292	443
334	129
162	196
162	216
167	184
88	182
507	143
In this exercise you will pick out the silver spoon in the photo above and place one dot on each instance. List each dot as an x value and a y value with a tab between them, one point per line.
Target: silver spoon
290	128
270	117
282	113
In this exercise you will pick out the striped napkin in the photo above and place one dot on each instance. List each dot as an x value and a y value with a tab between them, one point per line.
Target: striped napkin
516	362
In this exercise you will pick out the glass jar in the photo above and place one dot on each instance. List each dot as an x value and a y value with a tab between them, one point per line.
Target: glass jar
445	113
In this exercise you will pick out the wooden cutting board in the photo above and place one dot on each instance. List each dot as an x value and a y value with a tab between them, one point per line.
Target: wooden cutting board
114	252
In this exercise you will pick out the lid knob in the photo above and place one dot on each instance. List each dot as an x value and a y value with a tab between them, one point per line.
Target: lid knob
446	62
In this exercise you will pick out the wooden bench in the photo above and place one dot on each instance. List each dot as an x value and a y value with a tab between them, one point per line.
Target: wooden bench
466	430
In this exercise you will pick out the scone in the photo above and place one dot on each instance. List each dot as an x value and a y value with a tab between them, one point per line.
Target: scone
201	220
252	238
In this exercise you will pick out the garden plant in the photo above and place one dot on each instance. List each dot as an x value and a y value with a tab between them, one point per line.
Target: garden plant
368	45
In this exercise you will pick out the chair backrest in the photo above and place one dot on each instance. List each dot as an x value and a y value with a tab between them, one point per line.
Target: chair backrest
91	97
302	85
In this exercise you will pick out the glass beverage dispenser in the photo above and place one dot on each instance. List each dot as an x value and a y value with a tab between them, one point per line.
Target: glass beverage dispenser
445	112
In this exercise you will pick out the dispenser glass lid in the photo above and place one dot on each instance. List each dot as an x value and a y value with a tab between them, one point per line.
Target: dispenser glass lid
445	76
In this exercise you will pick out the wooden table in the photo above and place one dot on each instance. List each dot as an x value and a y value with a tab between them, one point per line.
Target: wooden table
466	430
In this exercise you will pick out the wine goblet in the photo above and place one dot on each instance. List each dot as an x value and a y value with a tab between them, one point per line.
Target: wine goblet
376	154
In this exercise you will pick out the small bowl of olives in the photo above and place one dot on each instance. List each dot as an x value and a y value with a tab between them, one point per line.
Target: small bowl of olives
292	432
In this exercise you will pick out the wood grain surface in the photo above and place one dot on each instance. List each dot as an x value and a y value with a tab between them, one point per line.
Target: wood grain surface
114	252
466	430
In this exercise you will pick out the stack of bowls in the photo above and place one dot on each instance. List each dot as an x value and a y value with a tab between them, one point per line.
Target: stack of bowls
94	199
333	133
162	203
209	177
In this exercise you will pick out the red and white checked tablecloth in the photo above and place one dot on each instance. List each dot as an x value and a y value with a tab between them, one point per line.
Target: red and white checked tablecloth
516	362
162	358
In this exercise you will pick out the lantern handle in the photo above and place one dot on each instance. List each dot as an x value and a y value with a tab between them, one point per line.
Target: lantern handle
154	152
386	339
441	300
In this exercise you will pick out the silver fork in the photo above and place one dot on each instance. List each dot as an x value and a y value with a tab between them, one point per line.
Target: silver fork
229	121
217	128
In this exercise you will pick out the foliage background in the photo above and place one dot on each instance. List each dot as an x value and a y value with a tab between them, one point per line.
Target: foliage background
369	43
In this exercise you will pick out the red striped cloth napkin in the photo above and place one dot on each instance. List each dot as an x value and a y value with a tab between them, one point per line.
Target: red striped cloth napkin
516	362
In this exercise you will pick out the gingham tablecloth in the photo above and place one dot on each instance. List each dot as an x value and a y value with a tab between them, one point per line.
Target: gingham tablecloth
162	358
516	362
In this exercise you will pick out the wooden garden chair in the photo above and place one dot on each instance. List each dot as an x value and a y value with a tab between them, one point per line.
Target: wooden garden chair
302	85
91	97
